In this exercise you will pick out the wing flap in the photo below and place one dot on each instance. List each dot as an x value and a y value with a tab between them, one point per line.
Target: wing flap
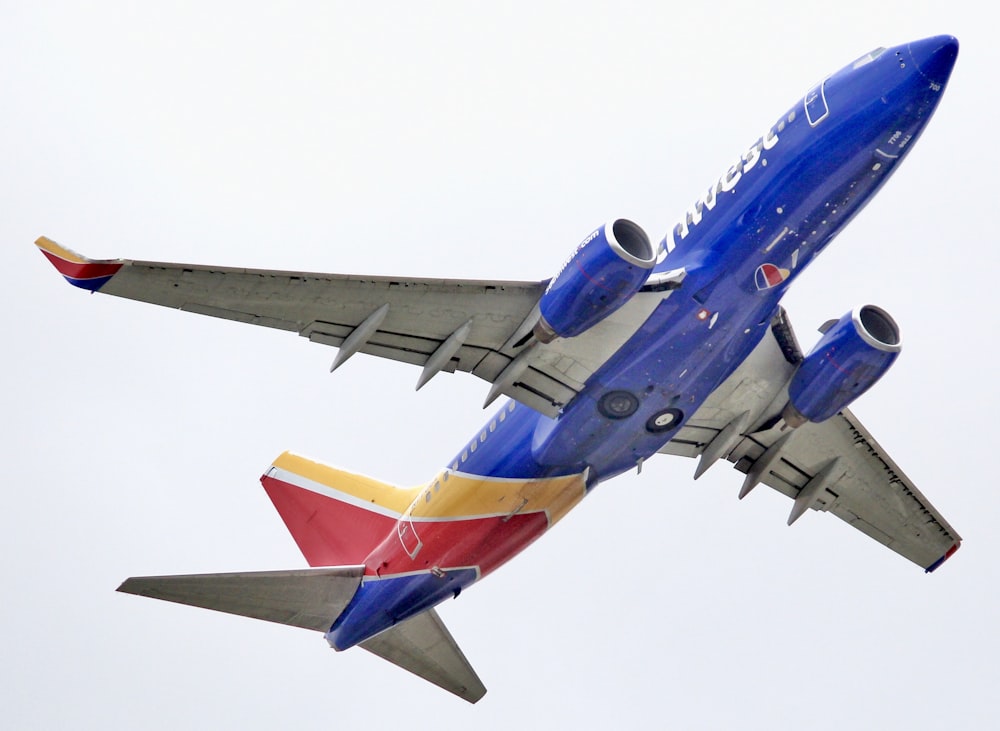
871	492
424	646
307	598
248	318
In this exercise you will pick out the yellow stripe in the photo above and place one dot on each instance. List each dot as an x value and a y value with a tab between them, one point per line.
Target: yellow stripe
458	496
46	244
470	496
360	486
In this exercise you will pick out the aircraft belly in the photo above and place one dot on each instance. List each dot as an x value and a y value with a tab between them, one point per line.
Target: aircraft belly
381	603
678	358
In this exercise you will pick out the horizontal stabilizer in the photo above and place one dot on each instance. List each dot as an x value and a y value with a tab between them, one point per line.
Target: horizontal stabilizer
308	598
425	647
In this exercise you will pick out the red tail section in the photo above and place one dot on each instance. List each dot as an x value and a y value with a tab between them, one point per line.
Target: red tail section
337	518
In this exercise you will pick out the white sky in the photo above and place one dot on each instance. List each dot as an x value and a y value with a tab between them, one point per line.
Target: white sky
451	140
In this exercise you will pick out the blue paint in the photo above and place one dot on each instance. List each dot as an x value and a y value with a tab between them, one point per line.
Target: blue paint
843	365
768	215
781	203
381	603
607	269
92	284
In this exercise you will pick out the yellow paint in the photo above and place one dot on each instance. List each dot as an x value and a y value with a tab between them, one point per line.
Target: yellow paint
458	496
468	496
46	244
360	486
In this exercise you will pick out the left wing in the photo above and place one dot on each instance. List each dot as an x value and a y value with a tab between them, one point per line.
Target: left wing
459	324
834	466
480	327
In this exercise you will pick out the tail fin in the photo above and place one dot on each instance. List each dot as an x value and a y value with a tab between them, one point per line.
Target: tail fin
336	517
313	599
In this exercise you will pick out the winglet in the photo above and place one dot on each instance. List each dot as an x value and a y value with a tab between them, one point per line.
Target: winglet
78	270
949	554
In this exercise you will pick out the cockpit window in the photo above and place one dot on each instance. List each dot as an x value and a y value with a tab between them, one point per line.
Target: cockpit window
868	58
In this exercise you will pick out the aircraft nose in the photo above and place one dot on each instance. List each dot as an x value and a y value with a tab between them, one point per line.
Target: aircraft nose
935	57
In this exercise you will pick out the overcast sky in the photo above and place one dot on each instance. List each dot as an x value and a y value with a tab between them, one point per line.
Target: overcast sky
456	141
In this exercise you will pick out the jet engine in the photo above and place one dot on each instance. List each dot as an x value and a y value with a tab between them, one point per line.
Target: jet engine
854	352
604	272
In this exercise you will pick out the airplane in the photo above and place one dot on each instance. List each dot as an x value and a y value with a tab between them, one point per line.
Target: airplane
629	351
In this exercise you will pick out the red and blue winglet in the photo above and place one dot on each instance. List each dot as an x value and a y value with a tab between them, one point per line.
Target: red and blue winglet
78	270
949	554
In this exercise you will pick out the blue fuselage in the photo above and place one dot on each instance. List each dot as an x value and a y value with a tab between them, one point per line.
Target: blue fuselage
742	243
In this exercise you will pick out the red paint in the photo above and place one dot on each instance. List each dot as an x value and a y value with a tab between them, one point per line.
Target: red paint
484	543
773	275
84	270
328	532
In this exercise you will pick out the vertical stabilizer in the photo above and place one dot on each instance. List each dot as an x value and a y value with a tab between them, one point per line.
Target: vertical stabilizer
336	517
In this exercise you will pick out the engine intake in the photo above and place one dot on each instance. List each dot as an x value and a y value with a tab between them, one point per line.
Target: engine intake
603	273
854	352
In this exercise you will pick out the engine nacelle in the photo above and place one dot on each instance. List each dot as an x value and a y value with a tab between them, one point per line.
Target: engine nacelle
604	272
850	357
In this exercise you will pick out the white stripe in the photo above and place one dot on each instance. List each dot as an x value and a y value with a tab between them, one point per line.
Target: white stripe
319	488
387	577
525	480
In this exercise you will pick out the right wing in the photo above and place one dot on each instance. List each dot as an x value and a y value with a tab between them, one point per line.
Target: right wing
835	466
481	327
